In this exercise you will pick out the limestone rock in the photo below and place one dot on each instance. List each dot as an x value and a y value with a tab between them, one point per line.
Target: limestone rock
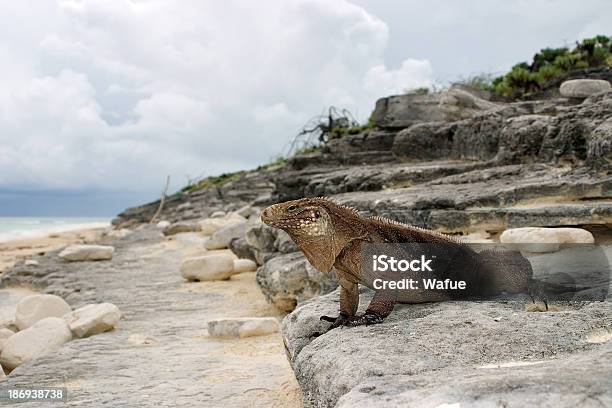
244	265
218	214
93	319
287	280
190	239
222	238
179	227
163	224
45	336
457	104
243	327
4	335
426	355
583	88
77	253
599	145
31	262
537	239
401	111
2	374
33	308
248	211
208	267
211	225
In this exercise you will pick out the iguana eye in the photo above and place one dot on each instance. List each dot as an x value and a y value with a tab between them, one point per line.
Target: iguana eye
292	208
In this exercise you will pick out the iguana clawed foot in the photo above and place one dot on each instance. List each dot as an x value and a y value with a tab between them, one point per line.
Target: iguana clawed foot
344	319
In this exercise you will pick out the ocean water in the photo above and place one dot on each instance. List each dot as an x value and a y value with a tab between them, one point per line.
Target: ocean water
12	228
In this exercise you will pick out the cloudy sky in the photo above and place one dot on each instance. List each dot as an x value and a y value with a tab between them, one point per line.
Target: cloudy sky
101	99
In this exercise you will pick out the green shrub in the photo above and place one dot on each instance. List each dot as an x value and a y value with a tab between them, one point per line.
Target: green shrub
551	63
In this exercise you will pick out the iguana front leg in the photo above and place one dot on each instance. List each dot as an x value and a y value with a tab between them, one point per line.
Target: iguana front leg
380	307
349	301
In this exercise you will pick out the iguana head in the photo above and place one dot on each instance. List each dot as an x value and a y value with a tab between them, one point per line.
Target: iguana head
321	228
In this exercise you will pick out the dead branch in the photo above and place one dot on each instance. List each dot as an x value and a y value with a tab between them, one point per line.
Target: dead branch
161	201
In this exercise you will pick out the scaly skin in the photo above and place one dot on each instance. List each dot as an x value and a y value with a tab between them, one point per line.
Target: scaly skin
331	235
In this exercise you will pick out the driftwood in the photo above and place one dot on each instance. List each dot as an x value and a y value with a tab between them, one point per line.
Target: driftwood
161	201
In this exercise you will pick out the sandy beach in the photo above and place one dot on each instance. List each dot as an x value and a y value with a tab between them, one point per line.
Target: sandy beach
18	250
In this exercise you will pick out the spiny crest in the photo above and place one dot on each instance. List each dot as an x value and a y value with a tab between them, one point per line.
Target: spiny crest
388	221
331	205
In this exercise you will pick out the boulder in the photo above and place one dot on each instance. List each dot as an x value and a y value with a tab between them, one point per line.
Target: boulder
243	327
263	243
222	238
163	224
33	308
93	319
401	111
218	214
537	239
211	225
208	267
458	104
77	253
289	279
244	265
179	227
241	248
583	88
4	335
44	337
190	239
30	262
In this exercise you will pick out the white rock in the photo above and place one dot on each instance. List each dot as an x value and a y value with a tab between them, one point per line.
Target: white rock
190	239
538	239
457	104
248	211
218	214
30	262
243	327
163	224
208	267
4	335
2	375
33	308
179	227
582	88
42	338
93	319
222	238
211	225
87	253
244	265
120	233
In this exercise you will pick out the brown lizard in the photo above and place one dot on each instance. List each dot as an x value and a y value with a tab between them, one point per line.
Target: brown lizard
332	235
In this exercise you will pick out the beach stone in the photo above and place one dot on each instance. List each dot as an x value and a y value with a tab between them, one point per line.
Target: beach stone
179	227
45	336
218	214
244	265
538	239
30	262
243	327
211	225
163	224
208	267
93	319
4	335
33	308
190	239
75	253
583	88
222	238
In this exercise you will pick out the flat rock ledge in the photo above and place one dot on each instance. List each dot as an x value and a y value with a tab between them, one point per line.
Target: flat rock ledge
489	353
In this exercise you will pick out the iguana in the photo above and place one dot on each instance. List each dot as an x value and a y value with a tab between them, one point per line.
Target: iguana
333	235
